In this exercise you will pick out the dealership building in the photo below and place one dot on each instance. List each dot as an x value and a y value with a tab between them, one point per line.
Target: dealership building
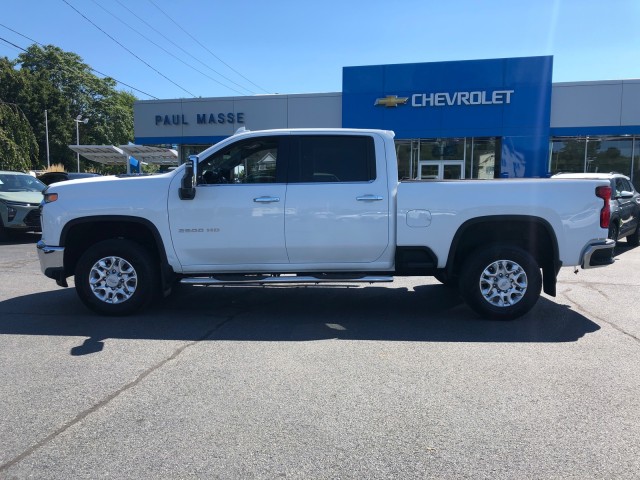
461	119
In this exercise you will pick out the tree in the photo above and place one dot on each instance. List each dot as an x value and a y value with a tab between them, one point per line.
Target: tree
18	145
48	78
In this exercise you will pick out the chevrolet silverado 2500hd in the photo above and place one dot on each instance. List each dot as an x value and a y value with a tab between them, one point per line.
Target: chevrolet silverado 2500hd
314	206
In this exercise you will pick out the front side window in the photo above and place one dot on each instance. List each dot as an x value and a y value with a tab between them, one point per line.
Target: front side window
247	161
331	159
628	186
622	185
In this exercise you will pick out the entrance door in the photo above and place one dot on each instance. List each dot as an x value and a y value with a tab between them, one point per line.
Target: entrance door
441	169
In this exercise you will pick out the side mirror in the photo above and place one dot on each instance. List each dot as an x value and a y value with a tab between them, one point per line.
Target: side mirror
626	195
188	183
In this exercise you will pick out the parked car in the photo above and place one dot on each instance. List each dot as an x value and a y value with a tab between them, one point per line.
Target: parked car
53	177
20	197
625	205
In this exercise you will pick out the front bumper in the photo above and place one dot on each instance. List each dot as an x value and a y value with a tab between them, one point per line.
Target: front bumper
52	262
25	218
598	254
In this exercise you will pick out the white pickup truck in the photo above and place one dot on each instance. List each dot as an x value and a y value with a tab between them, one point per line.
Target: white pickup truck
314	206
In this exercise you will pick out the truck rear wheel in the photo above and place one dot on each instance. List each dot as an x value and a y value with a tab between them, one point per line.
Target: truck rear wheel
116	277
501	282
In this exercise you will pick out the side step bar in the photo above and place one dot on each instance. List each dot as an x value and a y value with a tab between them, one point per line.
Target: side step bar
282	279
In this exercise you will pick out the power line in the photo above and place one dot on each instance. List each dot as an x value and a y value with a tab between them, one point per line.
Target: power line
179	47
116	41
168	52
10	43
198	42
92	69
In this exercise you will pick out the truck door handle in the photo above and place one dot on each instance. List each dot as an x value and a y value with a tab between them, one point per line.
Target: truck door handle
266	199
369	198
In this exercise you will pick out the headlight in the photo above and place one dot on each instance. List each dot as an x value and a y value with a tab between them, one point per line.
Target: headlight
50	197
11	213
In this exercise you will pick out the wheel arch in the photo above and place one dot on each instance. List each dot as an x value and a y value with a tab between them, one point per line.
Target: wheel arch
531	233
80	233
614	221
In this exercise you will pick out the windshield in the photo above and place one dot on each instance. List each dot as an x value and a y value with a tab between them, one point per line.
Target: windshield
20	183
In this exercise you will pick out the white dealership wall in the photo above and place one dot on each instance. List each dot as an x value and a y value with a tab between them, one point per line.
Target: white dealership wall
179	123
577	108
614	103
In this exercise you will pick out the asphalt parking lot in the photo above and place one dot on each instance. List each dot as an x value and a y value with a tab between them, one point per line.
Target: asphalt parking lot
395	381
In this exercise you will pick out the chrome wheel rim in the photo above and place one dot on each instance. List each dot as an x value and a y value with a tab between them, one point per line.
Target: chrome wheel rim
113	280
503	283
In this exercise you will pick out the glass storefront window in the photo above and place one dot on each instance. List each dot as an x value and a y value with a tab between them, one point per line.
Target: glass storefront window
481	162
567	155
186	150
442	149
596	155
609	155
448	158
403	153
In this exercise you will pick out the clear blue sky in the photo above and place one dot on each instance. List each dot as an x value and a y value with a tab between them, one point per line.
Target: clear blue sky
301	46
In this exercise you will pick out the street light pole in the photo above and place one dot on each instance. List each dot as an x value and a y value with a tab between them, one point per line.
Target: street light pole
78	121
46	126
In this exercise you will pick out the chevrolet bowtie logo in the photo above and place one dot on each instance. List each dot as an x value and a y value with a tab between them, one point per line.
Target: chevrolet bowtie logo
391	101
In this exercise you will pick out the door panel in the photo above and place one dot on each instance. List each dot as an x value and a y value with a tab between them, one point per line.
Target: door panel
337	208
336	223
230	225
237	215
625	205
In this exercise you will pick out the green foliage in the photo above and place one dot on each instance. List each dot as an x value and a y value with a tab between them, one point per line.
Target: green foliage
18	145
48	78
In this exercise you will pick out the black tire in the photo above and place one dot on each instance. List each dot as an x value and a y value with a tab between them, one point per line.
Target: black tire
445	279
501	282
634	238
4	235
116	277
614	231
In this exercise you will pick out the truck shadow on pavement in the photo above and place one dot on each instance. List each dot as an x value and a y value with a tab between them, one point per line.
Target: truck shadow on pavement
622	248
21	238
429	313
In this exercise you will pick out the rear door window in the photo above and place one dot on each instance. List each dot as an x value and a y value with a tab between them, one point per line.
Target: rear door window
332	159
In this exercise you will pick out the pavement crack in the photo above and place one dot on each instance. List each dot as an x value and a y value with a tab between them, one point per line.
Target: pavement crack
591	314
98	406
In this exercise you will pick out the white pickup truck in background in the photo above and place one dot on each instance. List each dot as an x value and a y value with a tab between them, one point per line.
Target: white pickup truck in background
314	206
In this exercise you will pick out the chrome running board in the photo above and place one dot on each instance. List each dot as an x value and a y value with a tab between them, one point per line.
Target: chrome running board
282	279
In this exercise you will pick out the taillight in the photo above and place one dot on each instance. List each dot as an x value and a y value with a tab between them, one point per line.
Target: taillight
605	214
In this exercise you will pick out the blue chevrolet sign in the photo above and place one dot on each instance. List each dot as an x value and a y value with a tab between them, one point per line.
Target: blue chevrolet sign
506	98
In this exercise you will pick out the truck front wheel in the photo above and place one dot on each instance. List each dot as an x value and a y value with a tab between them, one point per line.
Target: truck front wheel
501	282
116	277
447	280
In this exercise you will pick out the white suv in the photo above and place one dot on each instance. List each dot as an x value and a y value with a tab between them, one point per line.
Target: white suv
20	197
